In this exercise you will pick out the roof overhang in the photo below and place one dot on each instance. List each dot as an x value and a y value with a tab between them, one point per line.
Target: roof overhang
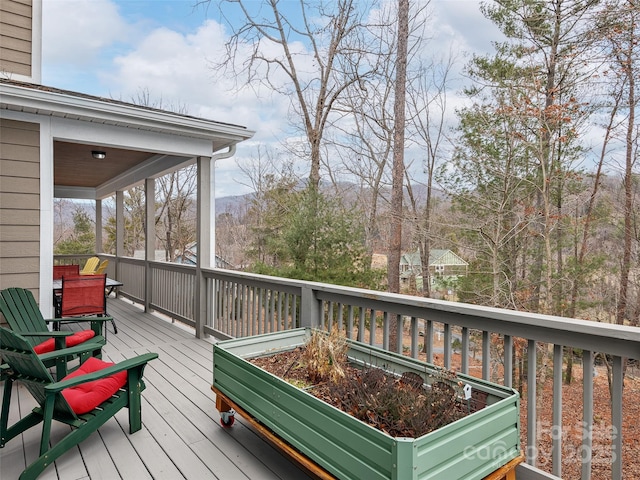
146	141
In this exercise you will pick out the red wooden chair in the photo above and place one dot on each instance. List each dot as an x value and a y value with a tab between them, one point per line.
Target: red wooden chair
84	295
60	271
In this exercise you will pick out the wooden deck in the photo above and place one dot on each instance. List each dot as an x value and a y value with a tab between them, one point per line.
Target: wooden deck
181	436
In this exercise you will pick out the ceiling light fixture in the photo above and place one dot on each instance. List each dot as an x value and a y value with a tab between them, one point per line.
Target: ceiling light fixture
98	155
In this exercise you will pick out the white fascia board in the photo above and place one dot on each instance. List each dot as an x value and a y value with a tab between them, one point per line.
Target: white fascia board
104	112
77	131
79	193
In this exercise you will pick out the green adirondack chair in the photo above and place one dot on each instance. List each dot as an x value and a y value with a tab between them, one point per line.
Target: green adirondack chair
20	310
70	400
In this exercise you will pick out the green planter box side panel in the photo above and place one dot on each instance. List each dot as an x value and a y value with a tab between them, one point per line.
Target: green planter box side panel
469	448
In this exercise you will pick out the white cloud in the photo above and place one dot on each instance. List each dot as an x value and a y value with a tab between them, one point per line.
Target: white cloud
77	32
461	26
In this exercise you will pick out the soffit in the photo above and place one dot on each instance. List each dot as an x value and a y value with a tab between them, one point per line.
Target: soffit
75	166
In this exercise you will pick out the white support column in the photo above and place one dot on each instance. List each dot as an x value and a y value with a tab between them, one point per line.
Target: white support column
119	223
46	219
206	213
99	248
119	232
149	238
206	239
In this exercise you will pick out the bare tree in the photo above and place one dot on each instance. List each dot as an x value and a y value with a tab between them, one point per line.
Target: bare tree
623	38
428	106
397	190
62	224
272	179
363	135
175	195
317	49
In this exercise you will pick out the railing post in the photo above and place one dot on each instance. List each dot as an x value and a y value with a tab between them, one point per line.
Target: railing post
310	308
150	240
201	304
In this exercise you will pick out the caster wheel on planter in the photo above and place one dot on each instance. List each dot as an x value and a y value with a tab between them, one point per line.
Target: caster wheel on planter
227	418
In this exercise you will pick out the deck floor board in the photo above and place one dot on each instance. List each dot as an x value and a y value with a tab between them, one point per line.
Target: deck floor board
181	436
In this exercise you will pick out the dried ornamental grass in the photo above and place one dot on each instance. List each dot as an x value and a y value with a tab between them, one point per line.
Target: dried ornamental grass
325	356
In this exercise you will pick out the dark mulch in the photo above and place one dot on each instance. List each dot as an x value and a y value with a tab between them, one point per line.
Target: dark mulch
401	407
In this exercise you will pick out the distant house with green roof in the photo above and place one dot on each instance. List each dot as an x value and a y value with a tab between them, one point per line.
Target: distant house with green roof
443	265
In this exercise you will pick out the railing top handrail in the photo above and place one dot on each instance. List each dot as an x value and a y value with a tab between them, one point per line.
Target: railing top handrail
620	340
255	279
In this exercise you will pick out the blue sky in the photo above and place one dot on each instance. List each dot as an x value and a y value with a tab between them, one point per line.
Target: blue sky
119	48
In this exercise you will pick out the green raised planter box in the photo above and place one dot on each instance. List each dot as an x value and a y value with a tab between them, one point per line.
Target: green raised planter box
469	448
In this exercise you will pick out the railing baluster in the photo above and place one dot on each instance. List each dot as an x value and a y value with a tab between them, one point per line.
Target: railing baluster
372	328
294	312
272	310
231	293
414	337
216	320
284	317
616	417
244	304
464	353
287	311
400	329
330	317
447	346
282	301
486	354
385	331
226	292
556	427
219	320
532	372
255	297
235	305
247	310
350	322
258	308
508	361
361	324
587	409
428	340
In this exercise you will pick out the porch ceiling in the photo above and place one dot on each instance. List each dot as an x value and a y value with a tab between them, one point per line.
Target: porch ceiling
74	166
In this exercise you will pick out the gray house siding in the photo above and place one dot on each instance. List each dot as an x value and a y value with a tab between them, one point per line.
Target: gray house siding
16	37
19	204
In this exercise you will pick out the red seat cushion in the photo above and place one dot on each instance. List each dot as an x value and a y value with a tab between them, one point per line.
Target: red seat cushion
72	340
87	396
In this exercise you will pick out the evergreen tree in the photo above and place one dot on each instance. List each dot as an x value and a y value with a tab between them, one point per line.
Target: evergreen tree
315	239
83	238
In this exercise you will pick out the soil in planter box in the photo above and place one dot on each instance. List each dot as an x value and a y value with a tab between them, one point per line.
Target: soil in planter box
401	407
